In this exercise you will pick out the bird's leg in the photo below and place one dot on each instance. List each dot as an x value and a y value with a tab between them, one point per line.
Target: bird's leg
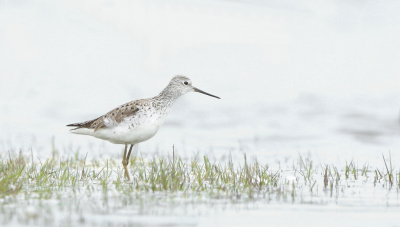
125	163
129	153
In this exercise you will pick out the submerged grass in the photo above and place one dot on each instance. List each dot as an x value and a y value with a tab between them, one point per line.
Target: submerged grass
156	174
199	175
75	183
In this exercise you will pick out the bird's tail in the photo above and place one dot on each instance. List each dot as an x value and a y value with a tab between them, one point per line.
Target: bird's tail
86	126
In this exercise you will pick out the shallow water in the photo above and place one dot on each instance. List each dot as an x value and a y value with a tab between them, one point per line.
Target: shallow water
294	78
365	201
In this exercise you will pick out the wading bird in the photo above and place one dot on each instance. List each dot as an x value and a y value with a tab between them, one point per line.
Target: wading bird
136	121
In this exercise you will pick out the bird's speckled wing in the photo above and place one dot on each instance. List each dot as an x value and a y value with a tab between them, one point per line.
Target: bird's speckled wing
115	115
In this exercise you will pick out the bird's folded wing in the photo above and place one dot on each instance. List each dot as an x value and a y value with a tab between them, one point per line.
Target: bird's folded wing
115	115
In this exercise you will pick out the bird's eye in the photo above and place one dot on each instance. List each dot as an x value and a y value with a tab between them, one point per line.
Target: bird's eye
186	83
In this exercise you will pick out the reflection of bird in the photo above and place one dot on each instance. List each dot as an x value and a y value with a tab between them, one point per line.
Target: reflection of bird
138	120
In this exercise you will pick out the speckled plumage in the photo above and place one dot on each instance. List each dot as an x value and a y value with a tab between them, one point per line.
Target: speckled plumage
138	120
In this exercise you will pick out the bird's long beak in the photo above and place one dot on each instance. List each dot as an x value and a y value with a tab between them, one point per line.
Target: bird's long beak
200	91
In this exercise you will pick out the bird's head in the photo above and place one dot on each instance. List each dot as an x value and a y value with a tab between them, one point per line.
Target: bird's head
183	85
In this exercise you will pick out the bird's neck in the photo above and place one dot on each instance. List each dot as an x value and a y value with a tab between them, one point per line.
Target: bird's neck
167	97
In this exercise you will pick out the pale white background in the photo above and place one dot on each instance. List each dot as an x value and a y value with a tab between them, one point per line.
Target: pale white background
293	76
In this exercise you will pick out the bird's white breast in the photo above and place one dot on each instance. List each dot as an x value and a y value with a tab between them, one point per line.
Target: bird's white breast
131	130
